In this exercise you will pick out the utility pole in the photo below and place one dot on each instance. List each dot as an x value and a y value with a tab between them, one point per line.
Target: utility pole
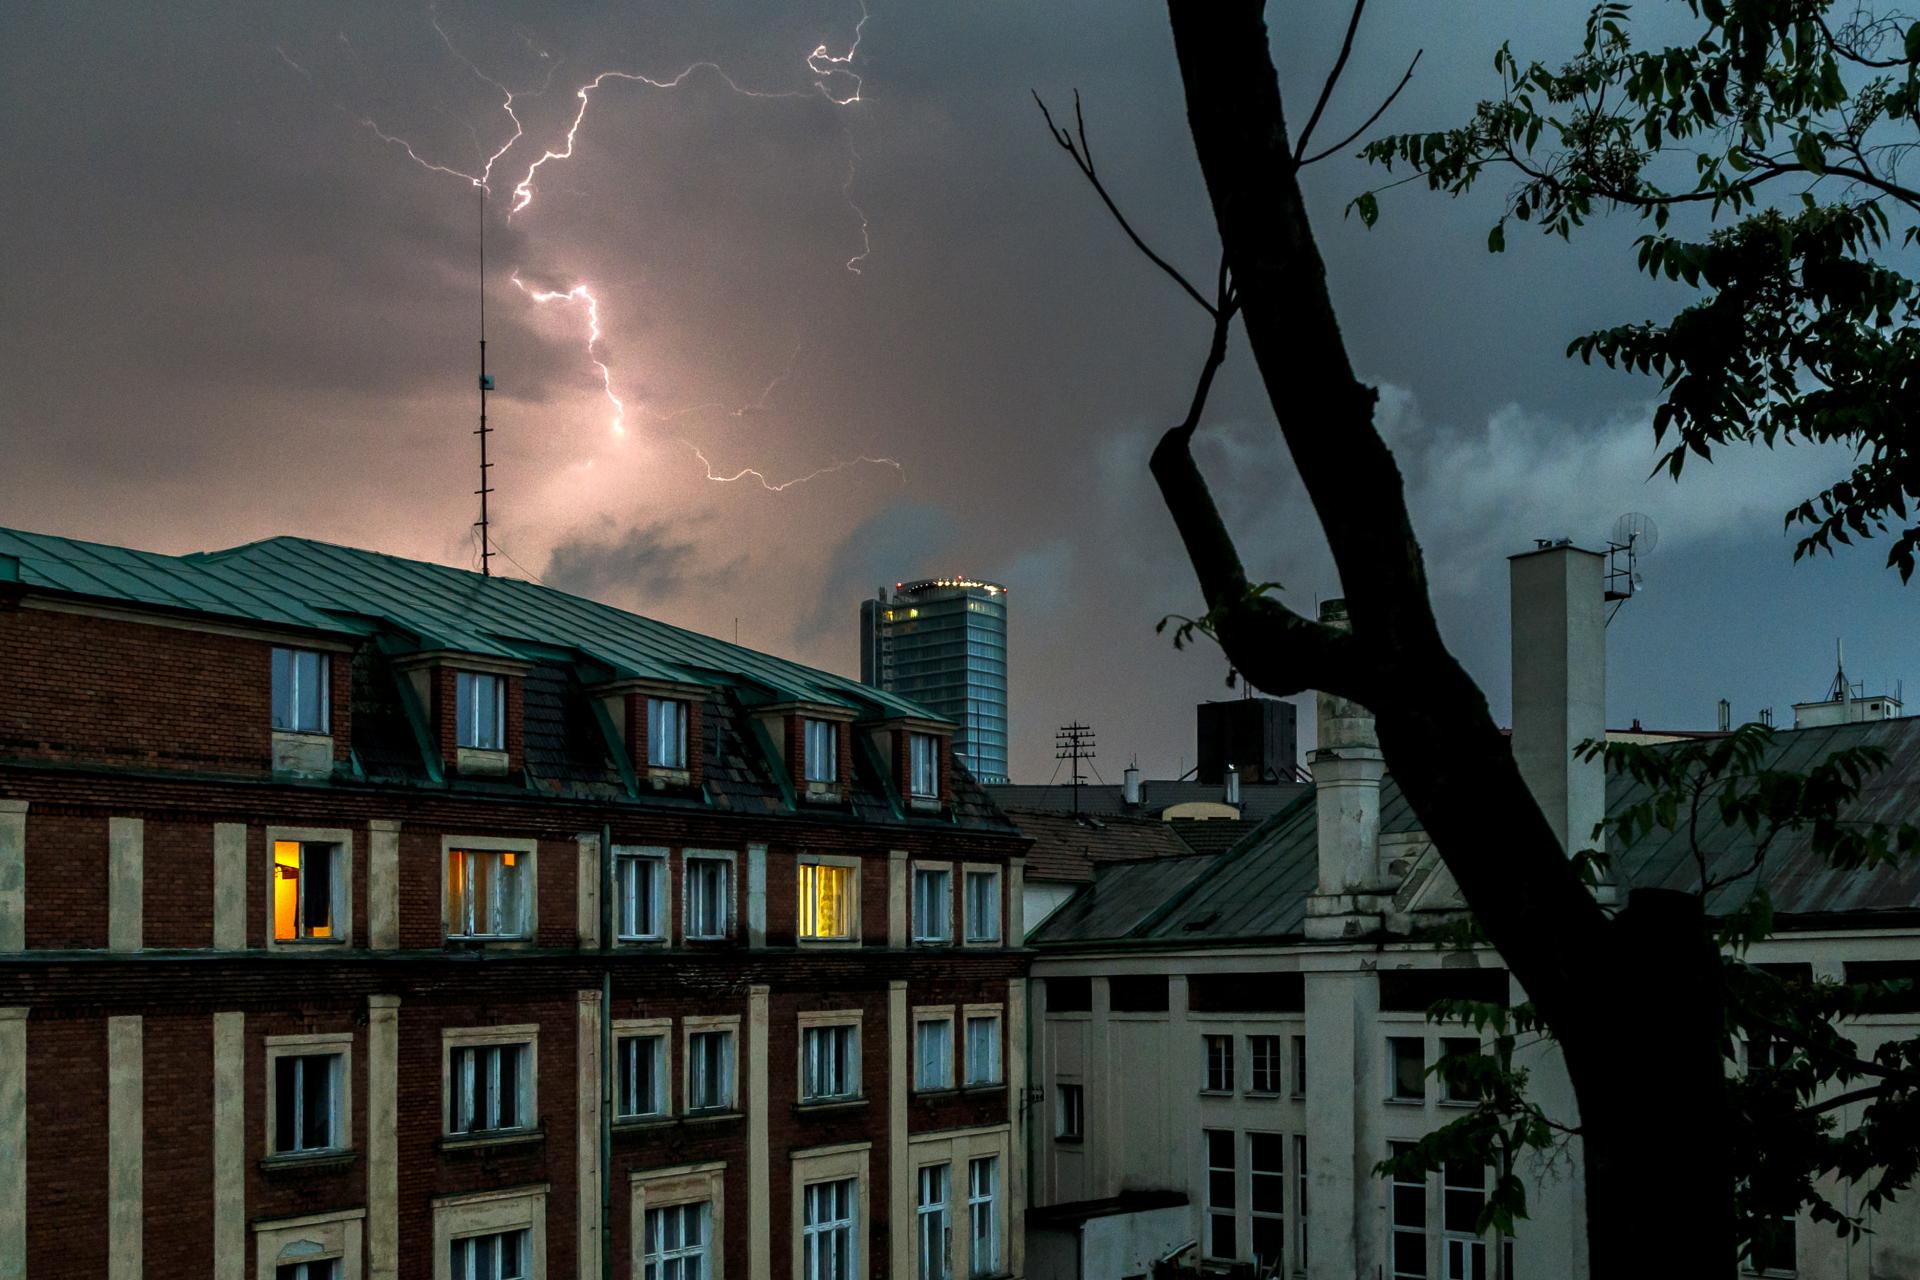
1074	742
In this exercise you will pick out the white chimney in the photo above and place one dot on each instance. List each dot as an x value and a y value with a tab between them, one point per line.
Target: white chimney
1559	628
1130	786
1347	767
1233	786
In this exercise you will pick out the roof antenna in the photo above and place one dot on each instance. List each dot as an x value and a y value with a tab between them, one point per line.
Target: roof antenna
486	385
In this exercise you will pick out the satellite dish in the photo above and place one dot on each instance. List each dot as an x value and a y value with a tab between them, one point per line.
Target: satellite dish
1637	531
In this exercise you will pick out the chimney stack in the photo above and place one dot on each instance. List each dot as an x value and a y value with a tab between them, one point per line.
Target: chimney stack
1347	767
1130	786
1560	684
1233	786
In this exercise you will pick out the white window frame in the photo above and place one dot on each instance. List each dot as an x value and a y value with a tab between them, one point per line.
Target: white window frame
954	1148
659	711
469	686
996	1014
917	787
989	1201
651	861
803	900
1467	1243
845	1163
1070	1110
921	934
454	1038
1257	1215
523	1245
933	1222
726	858
1275	1065
925	1014
691	1027
322	674
1217	1052
971	932
342	887
527	855
814	1024
335	1044
658	1029
651	1189
1394	1046
813	769
482	1213
1214	1211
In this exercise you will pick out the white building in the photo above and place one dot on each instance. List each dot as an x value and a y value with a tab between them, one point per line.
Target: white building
1225	1047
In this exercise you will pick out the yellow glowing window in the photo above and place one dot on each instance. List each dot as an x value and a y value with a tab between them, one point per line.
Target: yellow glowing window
826	901
304	884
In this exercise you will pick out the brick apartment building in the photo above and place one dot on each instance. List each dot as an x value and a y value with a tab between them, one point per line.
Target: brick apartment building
362	917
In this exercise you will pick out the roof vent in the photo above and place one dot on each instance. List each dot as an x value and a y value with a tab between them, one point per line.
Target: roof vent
1130	786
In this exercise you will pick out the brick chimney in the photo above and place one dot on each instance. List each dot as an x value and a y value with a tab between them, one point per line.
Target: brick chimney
1558	597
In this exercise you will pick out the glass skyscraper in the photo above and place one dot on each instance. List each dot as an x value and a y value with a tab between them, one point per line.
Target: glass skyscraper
943	643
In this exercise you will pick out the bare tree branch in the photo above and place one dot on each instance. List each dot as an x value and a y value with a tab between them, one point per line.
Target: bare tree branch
1333	78
1378	112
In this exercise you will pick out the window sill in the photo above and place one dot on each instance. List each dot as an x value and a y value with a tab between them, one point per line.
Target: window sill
308	1161
641	1124
469	941
829	1105
985	1086
1265	1095
652	940
924	804
665	777
827	944
942	1091
1216	1093
932	943
1405	1102
1068	1140
307	944
491	1138
711	1115
1461	1104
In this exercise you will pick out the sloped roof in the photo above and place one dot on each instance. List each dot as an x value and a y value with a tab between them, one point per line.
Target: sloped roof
1258	889
1122	899
1258	800
1066	846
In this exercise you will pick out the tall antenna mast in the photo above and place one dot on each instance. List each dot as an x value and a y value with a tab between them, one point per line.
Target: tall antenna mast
486	385
1074	742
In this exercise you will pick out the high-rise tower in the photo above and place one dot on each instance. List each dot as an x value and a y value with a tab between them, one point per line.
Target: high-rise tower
943	643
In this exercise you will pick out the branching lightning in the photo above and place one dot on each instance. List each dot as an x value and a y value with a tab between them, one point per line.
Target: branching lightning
829	70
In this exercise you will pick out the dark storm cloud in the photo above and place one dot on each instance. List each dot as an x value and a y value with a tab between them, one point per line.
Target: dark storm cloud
232	311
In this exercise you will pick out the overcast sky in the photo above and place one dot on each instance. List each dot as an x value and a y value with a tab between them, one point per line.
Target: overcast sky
233	309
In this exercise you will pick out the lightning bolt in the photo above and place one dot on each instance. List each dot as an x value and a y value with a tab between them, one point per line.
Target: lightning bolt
784	485
582	293
827	65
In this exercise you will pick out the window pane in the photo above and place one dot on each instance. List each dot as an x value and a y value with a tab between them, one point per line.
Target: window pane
317	899
316	1097
286	890
283	689
1409	1055
509	1108
286	1103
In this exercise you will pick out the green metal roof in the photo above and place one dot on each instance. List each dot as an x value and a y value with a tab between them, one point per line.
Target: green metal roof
317	586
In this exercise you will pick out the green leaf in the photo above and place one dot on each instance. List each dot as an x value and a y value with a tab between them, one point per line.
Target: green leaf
1367	207
1497	238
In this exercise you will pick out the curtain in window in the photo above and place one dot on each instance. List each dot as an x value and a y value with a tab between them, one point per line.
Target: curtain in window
982	1177
822	751
932	905
480	700
983	906
933	1059
299	691
706	897
666	733
983	1050
639	888
711	1069
925	759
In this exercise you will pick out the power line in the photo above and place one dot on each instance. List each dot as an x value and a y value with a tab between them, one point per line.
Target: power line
1073	742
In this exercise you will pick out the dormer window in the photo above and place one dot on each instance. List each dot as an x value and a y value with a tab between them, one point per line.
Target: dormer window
480	720
299	691
822	751
923	766
666	733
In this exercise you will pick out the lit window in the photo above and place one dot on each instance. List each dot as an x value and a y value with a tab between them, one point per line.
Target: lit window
826	901
1070	1112
481	711
822	751
983	1050
299	691
677	1239
829	1243
1267	1189
933	1054
666	733
1219	1064
829	1063
1407	1056
707	897
489	1087
932	904
486	893
924	752
306	886
641	1062
306	1091
640	881
983	1201
983	906
931	1214
1408	1200
1222	1180
501	1255
709	1070
1264	1055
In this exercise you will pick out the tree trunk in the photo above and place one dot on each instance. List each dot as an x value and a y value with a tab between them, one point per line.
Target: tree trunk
1634	1002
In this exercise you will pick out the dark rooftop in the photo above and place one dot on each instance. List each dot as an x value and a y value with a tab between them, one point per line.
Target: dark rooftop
1258	800
1066	847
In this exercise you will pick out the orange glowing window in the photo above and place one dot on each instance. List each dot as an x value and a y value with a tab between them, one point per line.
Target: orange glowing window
303	889
826	901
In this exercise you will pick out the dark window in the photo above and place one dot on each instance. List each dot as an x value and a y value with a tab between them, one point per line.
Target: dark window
1247	993
1138	994
1416	990
1069	995
1408	1063
1908	971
